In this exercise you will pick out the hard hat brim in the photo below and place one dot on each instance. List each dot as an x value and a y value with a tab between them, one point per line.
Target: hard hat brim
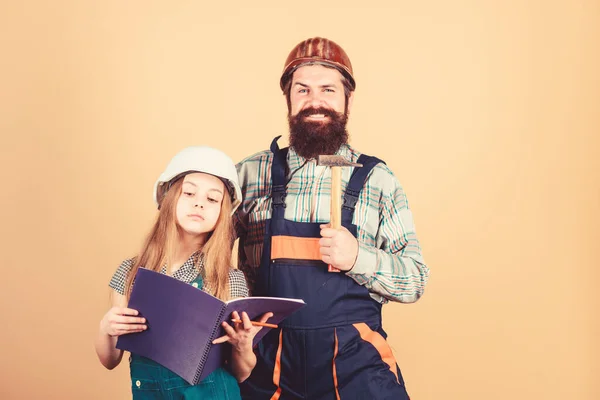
299	62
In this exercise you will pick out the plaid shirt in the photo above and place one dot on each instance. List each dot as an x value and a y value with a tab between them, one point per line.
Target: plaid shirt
389	262
188	272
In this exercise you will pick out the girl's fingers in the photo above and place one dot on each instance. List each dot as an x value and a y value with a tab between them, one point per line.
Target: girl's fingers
126	311
129	327
265	317
119	333
246	321
222	339
129	320
230	332
228	329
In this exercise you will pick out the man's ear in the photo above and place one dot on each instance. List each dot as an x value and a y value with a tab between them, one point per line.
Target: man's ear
350	99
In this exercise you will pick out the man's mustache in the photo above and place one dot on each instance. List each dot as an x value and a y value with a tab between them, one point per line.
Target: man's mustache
307	112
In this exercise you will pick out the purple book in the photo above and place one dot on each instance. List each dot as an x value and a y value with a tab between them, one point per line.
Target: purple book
183	321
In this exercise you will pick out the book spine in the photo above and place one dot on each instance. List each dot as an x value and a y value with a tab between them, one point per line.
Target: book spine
213	335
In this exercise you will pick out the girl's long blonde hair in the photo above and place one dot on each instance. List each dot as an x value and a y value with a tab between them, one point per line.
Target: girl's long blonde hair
160	245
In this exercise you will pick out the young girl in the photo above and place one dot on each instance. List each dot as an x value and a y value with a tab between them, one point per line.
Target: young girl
191	240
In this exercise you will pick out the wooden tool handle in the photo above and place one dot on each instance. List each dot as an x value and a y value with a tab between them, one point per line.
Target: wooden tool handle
336	197
336	203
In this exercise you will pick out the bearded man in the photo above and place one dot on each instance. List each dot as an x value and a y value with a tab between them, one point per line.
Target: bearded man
335	347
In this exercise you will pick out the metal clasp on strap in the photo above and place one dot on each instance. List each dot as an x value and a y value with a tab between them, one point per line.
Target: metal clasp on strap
278	196
350	199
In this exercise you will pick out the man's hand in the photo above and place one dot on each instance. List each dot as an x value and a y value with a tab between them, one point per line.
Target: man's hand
338	247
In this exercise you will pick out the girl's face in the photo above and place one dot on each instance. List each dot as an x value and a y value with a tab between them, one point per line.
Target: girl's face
199	204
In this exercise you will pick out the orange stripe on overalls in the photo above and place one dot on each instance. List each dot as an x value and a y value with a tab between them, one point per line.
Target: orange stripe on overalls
380	344
277	369
293	247
335	381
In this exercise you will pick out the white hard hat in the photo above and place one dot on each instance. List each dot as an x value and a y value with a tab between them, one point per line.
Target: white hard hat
201	159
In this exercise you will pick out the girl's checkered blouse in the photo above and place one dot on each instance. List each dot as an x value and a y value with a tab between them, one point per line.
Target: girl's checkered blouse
186	273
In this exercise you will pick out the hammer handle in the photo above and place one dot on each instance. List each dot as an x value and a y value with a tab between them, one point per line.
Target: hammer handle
336	197
336	203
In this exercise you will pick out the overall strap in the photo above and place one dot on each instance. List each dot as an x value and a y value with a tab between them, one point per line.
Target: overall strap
355	185
278	180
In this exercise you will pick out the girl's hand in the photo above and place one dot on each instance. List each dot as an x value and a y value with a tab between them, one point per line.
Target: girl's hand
242	335
122	320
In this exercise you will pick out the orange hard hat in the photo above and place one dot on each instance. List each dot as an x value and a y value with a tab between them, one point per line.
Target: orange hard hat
320	51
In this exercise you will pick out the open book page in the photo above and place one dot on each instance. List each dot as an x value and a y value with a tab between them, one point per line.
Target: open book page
255	307
284	299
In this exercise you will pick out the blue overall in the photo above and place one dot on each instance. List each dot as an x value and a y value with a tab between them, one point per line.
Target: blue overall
334	347
150	380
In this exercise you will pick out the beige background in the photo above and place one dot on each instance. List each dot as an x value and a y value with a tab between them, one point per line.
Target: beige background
486	110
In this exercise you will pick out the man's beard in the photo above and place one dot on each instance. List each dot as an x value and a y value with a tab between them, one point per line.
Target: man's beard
312	138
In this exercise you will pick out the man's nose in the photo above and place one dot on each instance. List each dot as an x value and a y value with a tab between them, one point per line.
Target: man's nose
315	99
